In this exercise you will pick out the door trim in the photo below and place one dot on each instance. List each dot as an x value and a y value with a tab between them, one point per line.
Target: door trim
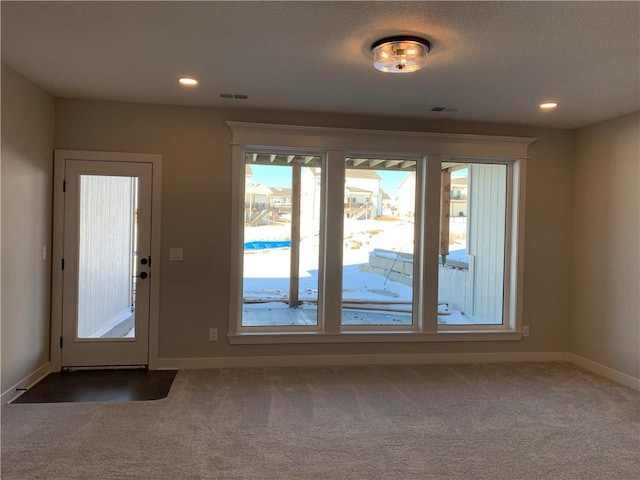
60	157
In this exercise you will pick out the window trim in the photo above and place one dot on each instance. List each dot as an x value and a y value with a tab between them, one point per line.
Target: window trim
333	144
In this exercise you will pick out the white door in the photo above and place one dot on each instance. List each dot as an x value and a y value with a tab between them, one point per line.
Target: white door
107	263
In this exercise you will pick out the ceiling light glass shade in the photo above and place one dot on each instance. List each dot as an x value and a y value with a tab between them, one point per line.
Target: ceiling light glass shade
187	81
400	54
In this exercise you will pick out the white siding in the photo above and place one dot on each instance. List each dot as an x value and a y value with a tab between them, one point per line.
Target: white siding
487	204
406	199
105	248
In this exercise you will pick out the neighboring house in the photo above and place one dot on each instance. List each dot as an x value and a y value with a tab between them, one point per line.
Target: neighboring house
280	204
362	193
357	203
280	197
256	201
459	196
256	196
406	196
388	204
309	199
363	197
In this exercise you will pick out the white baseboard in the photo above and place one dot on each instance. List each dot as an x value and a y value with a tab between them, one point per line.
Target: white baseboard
604	371
353	360
27	382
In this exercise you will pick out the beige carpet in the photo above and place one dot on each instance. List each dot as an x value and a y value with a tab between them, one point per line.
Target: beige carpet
491	421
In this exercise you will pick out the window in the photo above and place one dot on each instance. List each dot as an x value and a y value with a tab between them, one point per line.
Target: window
378	242
281	221
471	271
336	239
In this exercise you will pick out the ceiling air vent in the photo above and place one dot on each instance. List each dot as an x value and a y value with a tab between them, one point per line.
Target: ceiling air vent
444	109
237	96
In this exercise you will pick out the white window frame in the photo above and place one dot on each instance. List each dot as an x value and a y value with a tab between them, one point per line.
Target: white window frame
334	145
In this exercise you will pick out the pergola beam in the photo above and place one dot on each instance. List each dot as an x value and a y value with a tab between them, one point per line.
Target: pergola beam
445	208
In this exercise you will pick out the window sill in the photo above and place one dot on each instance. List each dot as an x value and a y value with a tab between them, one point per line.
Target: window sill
271	338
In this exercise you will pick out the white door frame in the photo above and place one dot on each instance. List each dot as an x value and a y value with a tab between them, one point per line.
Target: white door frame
61	156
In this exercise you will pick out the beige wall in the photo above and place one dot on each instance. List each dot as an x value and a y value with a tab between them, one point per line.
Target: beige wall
195	144
27	166
605	307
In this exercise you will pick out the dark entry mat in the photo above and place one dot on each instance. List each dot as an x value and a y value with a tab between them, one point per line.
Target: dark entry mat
100	386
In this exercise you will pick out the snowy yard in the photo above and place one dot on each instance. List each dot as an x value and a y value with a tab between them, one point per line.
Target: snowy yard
368	298
266	272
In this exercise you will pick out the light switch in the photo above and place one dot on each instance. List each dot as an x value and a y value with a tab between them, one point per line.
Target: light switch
175	255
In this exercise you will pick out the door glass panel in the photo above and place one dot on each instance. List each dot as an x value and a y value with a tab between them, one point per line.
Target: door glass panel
281	240
107	262
472	244
379	232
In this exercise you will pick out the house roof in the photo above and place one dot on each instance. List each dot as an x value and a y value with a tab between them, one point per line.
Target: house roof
257	189
410	175
361	173
280	192
459	181
357	190
489	61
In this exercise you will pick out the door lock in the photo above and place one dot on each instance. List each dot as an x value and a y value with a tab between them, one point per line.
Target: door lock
143	275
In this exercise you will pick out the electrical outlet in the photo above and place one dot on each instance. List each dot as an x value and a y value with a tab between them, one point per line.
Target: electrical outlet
213	334
525	331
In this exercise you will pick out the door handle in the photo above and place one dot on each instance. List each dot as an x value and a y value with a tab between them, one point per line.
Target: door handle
143	275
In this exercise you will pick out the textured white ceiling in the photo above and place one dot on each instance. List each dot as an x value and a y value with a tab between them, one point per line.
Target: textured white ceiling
493	61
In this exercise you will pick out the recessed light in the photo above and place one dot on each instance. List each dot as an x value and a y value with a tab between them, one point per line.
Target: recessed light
548	105
188	81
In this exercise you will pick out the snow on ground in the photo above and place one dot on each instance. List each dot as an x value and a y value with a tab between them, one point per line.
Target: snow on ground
267	272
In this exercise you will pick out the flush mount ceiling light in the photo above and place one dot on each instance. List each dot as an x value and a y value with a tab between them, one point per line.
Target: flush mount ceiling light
548	105
401	54
187	81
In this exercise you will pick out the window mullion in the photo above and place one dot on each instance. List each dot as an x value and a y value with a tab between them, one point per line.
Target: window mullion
430	244
333	201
